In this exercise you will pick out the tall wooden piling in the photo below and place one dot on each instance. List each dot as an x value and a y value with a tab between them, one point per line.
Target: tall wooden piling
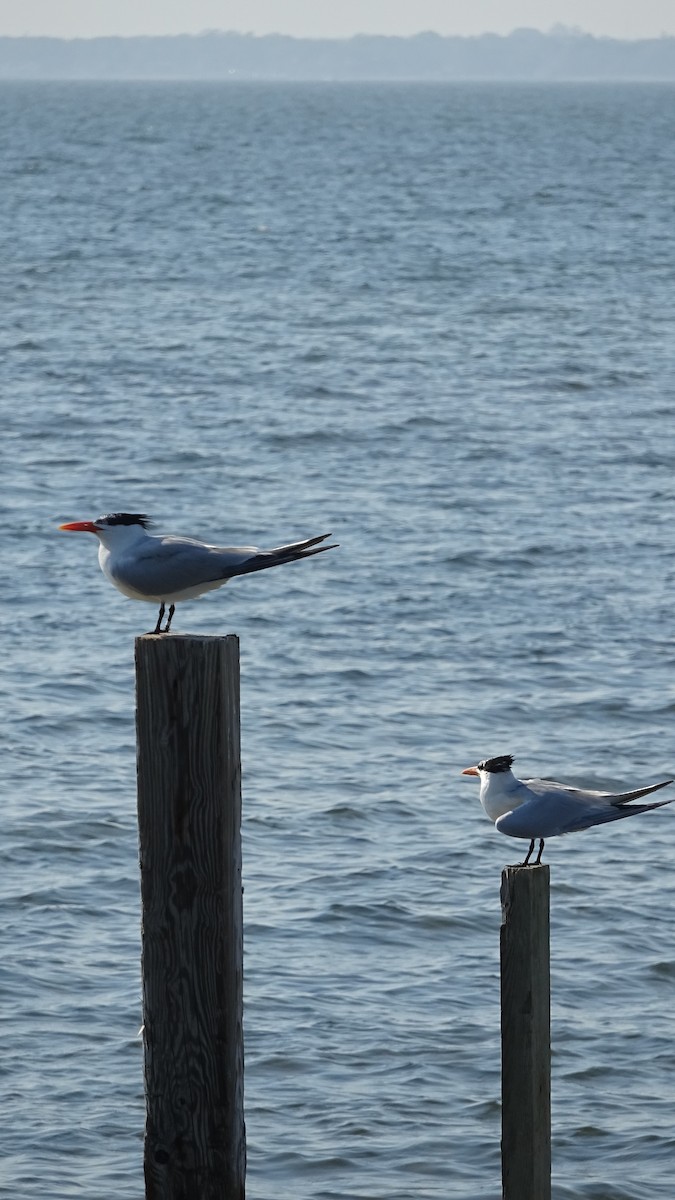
189	815
526	1034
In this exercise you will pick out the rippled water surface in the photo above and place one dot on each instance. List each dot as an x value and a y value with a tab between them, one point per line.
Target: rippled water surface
440	322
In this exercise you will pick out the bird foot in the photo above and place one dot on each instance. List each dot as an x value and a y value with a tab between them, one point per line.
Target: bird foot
158	626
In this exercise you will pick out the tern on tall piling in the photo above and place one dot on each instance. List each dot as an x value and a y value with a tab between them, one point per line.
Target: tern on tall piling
164	570
540	808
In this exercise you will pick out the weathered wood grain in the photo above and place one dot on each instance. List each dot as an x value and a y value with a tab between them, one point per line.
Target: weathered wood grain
189	815
526	1034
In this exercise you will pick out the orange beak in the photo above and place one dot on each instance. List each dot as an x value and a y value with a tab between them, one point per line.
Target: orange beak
80	527
471	771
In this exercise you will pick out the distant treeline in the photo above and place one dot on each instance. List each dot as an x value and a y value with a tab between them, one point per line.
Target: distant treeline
525	54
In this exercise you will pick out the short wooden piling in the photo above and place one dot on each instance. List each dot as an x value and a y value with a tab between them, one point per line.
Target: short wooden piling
189	814
526	1034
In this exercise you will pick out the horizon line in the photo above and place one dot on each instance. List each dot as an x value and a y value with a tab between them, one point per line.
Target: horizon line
556	30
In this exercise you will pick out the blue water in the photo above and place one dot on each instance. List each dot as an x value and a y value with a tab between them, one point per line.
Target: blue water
439	321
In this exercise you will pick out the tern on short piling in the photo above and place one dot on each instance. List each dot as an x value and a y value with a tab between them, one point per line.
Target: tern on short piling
165	570
540	808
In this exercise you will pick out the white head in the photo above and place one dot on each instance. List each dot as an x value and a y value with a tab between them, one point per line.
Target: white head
114	530
497	783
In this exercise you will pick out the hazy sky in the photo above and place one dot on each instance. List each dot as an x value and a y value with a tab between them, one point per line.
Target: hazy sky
340	18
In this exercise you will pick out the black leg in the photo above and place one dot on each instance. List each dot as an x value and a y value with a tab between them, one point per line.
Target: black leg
541	847
158	626
172	610
527	856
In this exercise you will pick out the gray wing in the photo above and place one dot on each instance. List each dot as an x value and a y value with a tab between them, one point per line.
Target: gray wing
556	808
166	565
542	787
550	811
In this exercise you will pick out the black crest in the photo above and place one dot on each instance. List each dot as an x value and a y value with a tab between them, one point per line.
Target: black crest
125	519
503	763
